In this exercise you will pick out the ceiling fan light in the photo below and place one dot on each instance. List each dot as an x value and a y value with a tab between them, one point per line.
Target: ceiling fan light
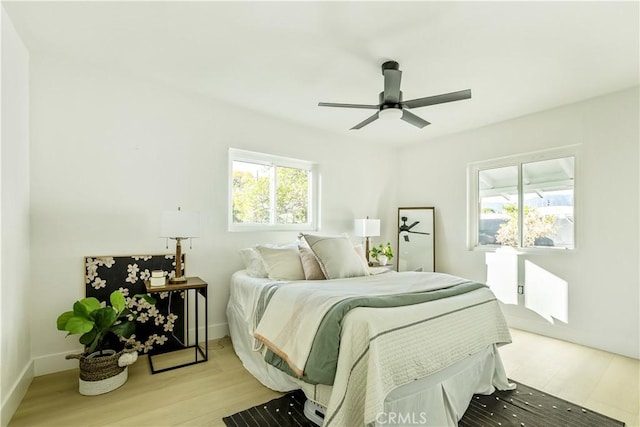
390	113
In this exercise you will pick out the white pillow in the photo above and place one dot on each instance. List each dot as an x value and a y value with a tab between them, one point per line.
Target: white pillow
361	253
336	256
282	263
253	262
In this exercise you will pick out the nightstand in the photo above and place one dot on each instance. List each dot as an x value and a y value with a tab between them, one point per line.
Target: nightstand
376	268
390	267
196	287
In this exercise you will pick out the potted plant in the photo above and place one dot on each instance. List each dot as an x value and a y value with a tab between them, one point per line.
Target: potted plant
382	253
103	364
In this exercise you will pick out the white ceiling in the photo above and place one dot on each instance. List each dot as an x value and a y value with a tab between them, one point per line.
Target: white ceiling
283	58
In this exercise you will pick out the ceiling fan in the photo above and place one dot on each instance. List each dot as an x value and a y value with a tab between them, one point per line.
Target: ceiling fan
391	104
407	228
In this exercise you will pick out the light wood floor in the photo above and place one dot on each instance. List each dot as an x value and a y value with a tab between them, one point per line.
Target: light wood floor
201	395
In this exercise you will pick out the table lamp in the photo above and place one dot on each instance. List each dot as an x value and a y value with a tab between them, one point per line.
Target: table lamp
179	225
367	228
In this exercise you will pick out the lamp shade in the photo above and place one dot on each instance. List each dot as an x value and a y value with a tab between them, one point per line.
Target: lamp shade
367	227
180	224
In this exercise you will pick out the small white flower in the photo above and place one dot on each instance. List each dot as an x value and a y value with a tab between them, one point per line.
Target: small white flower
99	283
124	291
92	272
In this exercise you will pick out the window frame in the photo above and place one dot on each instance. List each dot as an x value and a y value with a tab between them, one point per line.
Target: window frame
473	199
275	161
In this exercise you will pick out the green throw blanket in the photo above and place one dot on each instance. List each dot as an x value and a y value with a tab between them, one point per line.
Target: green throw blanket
323	358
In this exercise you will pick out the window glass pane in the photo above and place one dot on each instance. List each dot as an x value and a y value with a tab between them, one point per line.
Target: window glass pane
250	192
498	206
292	195
548	203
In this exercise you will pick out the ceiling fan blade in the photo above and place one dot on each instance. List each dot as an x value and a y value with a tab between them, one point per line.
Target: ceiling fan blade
392	86
332	104
438	99
413	119
418	232
366	122
413	225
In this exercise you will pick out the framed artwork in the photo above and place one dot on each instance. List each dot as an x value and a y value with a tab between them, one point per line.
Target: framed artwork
160	324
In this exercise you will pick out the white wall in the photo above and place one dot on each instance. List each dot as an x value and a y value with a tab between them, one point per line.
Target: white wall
15	350
602	273
109	153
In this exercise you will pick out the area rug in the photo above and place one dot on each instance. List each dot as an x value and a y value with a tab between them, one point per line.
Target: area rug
523	407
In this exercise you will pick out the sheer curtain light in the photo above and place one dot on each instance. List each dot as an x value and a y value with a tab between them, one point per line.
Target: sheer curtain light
367	228
179	225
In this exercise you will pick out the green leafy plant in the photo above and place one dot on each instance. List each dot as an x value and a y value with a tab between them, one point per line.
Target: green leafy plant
381	249
95	322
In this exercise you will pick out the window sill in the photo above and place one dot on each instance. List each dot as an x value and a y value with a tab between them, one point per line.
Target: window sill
233	228
522	251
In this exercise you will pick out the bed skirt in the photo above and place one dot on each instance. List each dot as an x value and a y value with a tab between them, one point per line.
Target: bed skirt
437	400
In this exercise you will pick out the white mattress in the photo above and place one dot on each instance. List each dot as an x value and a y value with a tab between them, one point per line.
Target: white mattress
438	400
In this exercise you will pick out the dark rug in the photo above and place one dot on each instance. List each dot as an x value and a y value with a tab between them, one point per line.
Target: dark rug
523	407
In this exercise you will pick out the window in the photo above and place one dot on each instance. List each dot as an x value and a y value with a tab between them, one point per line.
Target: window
524	202
271	192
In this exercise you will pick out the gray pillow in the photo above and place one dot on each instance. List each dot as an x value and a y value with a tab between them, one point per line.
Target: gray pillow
336	256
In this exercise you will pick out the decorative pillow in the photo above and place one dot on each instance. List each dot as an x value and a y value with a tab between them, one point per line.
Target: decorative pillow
282	263
336	256
253	262
361	253
310	265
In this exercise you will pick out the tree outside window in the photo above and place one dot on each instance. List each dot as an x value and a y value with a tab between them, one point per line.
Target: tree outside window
266	194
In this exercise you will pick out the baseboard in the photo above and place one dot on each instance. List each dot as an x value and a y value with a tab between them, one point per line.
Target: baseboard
16	394
51	363
217	331
566	333
56	362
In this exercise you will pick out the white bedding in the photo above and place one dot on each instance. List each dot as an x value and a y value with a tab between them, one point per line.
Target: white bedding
244	293
288	325
380	360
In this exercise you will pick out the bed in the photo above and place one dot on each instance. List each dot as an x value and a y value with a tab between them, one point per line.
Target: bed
412	347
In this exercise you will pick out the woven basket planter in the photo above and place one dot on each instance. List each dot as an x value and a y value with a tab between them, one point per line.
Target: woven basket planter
102	374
